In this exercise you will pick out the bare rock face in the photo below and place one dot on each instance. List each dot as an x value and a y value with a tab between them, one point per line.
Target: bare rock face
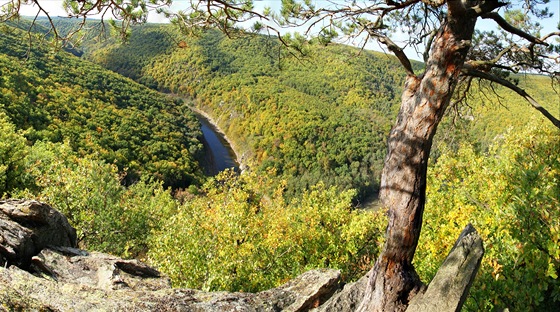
307	291
66	265
28	226
347	299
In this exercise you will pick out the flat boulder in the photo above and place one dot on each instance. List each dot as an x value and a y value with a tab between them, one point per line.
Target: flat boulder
348	298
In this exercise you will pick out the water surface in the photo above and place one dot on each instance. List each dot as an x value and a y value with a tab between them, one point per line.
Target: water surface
219	154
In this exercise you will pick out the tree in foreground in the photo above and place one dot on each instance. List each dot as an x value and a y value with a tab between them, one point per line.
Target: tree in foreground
455	55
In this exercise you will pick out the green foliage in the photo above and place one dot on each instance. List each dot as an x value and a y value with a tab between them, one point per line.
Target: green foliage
157	40
323	117
491	110
57	97
107	131
88	129
238	236
108	216
123	14
511	194
237	233
13	151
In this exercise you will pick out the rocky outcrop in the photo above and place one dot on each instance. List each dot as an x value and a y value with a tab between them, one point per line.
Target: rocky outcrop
68	279
28	226
42	270
347	299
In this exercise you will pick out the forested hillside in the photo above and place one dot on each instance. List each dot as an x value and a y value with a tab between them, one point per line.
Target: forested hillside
70	132
323	116
59	98
319	117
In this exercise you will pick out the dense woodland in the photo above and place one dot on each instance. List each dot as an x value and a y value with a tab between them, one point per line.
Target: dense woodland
319	117
312	128
55	97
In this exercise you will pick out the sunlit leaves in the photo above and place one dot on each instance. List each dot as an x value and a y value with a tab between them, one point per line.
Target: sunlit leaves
224	15
108	217
511	195
57	97
522	21
297	42
322	118
13	151
73	6
326	35
291	9
240	234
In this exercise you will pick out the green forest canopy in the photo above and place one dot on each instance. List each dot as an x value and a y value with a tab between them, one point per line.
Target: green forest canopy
339	100
56	97
318	118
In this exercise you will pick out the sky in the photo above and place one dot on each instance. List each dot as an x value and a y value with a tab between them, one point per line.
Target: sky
54	7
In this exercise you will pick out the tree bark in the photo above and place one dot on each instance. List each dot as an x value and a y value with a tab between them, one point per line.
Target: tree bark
393	280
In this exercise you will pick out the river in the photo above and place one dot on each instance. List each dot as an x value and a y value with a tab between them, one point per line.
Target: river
219	154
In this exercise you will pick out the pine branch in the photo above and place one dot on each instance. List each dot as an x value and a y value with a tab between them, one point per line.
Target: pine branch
472	72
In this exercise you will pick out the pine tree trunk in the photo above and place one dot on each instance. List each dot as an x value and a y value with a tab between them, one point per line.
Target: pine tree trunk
393	280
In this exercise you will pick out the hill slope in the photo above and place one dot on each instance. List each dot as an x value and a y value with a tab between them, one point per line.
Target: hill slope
323	117
58	97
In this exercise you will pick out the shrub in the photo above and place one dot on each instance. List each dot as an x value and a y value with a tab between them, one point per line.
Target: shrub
511	195
237	236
